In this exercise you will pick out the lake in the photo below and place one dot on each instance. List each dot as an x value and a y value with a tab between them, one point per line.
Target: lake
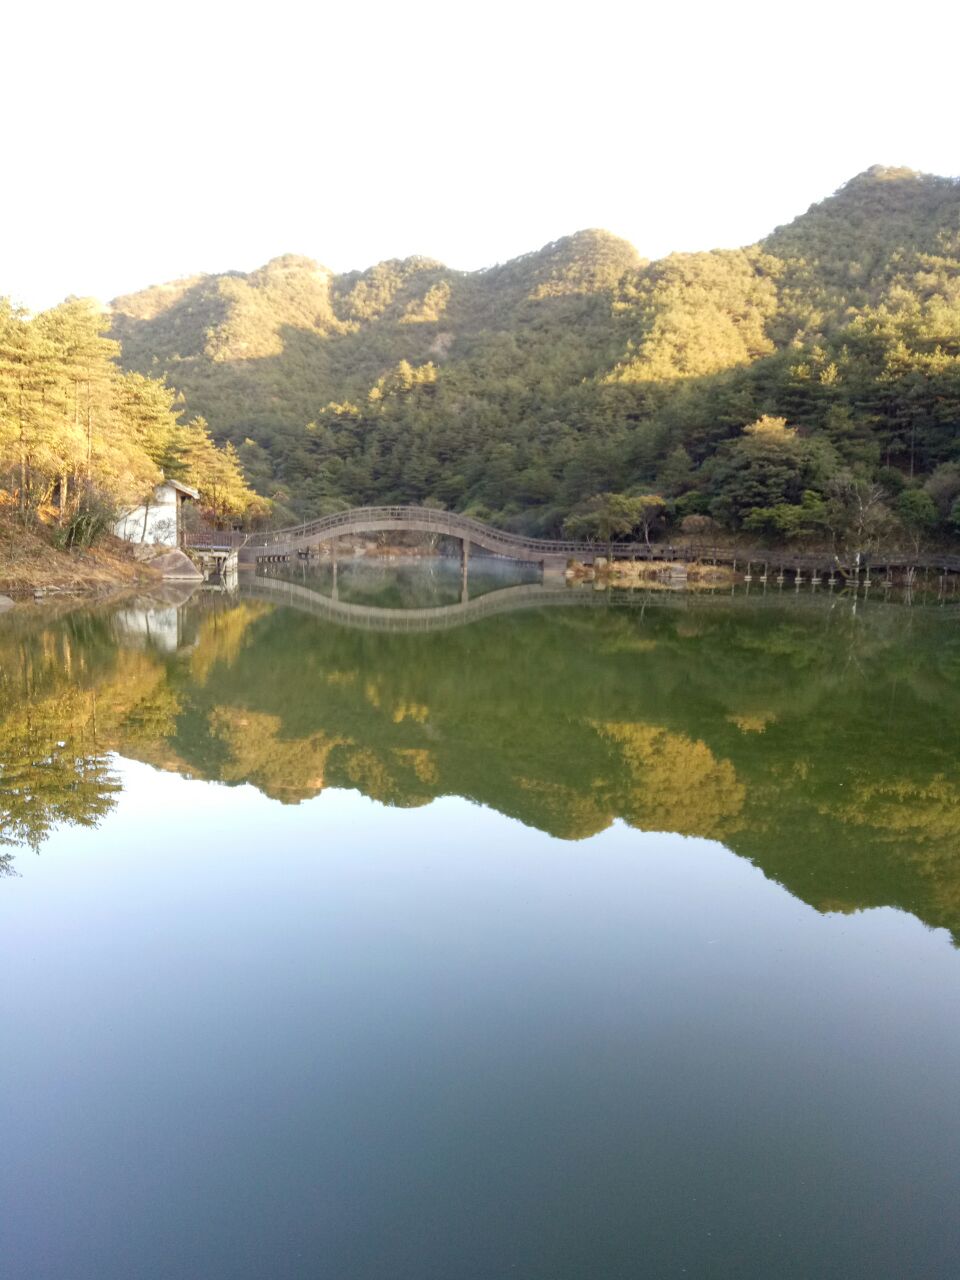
379	930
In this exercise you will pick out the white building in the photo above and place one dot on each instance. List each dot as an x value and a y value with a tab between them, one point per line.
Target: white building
160	519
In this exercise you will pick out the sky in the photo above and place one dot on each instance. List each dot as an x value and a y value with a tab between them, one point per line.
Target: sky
150	142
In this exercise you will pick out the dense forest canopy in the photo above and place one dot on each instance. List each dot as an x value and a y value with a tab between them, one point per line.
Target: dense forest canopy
806	387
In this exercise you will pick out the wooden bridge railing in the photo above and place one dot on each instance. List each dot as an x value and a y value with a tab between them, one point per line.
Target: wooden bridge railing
520	546
214	539
449	522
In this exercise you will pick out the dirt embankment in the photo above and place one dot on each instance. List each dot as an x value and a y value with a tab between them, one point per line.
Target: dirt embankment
31	564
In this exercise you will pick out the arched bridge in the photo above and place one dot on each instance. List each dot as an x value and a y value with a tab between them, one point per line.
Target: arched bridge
298	540
281	544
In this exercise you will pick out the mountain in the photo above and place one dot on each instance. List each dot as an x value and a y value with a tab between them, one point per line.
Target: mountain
235	343
522	391
878	228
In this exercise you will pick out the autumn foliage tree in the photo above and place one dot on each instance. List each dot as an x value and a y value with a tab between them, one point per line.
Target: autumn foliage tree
82	438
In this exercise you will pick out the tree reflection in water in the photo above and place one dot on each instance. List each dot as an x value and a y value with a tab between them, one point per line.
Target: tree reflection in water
819	742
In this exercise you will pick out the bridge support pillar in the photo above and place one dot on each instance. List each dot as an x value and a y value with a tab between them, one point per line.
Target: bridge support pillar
464	570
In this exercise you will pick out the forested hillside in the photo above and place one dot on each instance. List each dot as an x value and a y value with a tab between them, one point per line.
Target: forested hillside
804	387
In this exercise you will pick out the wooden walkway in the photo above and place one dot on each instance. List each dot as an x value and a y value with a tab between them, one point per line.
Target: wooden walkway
757	563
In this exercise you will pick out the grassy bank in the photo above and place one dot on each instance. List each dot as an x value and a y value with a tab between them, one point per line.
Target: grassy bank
31	563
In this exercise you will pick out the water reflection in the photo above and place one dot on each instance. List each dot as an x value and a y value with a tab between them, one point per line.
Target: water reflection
403	582
820	743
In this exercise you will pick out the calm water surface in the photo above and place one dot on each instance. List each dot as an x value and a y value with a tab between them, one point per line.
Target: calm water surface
596	940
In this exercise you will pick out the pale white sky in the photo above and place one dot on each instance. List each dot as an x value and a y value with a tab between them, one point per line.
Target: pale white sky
146	142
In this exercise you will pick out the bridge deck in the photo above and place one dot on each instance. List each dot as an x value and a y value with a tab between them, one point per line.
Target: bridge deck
281	544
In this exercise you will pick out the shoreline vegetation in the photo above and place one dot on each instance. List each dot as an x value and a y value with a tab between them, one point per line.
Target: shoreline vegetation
649	573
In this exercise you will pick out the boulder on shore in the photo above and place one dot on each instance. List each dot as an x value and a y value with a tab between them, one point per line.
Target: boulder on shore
6	603
174	564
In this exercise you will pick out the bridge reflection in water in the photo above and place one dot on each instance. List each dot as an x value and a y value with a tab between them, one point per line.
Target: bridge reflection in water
371	617
306	598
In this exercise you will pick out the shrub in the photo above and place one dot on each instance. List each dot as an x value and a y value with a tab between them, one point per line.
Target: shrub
94	516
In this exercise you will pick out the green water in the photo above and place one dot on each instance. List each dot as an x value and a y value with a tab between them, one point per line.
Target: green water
600	937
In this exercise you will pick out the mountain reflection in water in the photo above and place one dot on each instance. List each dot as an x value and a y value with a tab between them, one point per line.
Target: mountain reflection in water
816	739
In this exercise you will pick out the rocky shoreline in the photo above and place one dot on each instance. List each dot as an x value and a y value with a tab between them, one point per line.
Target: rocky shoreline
674	573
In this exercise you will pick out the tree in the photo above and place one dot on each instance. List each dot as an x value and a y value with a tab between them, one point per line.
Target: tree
856	511
943	487
607	516
789	521
768	465
698	526
918	514
649	512
676	473
151	411
602	518
64	429
217	474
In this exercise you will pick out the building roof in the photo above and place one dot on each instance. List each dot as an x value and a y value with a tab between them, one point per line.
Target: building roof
183	488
